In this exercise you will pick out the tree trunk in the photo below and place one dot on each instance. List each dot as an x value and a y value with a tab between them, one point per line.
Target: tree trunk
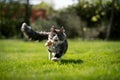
27	14
110	22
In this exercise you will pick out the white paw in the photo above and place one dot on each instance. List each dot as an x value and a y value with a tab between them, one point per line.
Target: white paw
55	59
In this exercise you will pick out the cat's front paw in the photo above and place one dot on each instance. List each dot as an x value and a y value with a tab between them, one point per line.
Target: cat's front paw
55	59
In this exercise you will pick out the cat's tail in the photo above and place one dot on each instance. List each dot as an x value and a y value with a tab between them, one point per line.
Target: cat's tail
33	35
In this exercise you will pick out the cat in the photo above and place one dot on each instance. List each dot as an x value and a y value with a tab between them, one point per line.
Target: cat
56	43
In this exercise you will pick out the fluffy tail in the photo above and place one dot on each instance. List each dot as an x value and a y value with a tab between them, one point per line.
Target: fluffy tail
33	35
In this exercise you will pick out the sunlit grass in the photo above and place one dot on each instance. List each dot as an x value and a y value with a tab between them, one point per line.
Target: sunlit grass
84	60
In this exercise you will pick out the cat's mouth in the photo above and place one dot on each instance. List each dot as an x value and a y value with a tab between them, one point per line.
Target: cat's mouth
56	40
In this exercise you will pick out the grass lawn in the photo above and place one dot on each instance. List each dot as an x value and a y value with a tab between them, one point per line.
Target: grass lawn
84	60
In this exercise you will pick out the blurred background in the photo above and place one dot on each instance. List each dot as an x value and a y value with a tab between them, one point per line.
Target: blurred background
84	19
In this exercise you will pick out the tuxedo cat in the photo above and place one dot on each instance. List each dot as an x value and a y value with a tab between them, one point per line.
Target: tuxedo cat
56	43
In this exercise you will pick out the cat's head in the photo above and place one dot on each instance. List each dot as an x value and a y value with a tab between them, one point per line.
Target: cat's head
57	35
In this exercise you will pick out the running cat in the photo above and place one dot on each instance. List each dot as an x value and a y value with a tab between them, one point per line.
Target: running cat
56	43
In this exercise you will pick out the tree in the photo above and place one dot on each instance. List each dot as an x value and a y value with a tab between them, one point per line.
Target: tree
27	10
12	14
110	22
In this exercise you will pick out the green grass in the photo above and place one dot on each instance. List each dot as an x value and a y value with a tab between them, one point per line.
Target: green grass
84	60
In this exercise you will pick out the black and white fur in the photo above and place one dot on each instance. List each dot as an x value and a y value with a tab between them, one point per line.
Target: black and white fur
56	44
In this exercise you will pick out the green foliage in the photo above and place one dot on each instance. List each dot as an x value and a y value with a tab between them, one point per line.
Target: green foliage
84	60
66	18
44	25
115	30
70	21
90	13
11	17
99	12
44	6
78	20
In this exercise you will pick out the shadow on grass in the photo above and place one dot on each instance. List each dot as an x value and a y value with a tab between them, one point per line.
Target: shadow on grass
69	61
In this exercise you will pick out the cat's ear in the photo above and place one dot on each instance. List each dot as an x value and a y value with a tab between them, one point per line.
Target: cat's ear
52	28
62	29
